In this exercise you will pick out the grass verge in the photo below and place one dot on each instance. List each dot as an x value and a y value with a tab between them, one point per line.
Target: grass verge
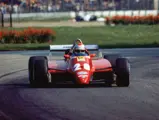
106	37
37	19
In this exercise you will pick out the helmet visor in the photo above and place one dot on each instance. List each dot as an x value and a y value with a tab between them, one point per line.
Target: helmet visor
79	51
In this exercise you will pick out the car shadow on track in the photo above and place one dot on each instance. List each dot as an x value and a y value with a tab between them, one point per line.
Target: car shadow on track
77	86
25	85
12	85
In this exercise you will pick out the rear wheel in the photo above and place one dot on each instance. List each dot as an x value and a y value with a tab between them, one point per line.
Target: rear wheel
112	58
122	72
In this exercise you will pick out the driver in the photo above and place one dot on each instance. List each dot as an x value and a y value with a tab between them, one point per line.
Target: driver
78	48
77	41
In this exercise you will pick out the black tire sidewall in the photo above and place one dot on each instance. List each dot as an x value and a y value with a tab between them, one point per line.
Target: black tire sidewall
122	72
41	71
31	68
112	58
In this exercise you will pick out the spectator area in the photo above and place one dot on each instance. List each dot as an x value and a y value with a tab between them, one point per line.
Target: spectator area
32	6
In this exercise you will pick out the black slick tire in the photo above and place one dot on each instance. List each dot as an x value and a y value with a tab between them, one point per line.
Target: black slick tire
112	58
38	69
122	72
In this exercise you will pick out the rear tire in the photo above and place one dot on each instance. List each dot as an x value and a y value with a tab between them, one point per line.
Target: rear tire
122	72
112	58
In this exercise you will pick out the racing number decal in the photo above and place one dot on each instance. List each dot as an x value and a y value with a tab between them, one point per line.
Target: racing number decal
78	66
86	66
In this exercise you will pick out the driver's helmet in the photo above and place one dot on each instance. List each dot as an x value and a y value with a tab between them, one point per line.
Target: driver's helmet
78	41
79	49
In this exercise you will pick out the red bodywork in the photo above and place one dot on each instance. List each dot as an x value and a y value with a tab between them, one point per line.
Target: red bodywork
81	67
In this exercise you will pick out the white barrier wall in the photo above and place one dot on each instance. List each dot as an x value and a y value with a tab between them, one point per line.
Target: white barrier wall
114	13
82	13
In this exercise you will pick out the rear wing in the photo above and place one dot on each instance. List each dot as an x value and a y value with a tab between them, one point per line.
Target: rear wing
65	47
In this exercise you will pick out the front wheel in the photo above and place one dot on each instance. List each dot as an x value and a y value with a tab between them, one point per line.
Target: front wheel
38	71
41	72
122	72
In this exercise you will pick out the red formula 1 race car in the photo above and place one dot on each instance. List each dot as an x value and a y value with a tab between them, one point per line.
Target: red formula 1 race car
79	69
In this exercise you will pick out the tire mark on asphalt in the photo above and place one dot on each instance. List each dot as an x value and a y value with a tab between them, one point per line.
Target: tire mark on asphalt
10	73
3	116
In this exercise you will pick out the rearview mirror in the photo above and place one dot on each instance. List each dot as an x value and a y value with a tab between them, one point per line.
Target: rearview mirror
93	55
66	56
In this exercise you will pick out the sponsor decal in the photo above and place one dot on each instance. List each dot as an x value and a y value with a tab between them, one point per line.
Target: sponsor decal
83	76
82	73
66	46
80	58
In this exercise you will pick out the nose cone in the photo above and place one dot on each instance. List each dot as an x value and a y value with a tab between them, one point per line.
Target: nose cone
83	77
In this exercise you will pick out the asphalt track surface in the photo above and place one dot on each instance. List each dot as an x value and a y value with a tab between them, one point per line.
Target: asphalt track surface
139	101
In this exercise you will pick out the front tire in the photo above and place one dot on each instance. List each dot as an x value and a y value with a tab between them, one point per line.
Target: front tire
38	71
122	72
31	70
